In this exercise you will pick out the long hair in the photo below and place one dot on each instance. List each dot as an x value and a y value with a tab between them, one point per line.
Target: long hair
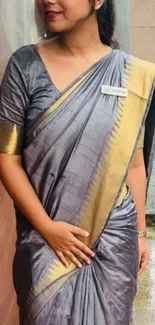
106	18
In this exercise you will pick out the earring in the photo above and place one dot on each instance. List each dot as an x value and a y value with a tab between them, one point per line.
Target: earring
45	32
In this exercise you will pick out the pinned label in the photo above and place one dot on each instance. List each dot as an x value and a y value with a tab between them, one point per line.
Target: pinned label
114	91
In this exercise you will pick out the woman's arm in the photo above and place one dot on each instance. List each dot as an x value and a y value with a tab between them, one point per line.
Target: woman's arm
136	181
21	191
59	235
14	103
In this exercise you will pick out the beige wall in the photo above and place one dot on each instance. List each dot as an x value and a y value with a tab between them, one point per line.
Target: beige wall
143	29
8	307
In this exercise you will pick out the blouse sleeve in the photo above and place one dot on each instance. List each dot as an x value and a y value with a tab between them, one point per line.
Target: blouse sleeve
141	140
14	102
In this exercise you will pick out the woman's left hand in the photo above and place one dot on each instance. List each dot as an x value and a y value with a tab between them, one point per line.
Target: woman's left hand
144	254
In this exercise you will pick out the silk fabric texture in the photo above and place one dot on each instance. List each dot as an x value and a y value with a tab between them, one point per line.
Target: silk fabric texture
77	147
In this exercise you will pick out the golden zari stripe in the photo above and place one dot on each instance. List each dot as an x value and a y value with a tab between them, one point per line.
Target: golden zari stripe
11	138
111	171
56	275
56	271
53	107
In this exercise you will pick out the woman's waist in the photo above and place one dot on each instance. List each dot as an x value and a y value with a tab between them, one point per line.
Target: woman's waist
122	195
124	214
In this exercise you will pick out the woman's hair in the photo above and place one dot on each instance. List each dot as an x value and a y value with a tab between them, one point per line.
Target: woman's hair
106	17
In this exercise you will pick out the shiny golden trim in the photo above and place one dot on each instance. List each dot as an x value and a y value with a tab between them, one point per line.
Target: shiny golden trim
140	144
124	191
53	107
49	285
55	271
122	196
11	138
113	165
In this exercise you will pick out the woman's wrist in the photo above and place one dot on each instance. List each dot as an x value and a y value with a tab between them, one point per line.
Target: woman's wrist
142	233
46	228
43	224
141	225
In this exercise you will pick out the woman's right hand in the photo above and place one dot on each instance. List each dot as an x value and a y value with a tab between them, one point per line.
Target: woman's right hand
61	238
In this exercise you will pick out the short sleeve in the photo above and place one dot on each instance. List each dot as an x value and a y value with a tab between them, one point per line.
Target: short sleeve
14	102
141	140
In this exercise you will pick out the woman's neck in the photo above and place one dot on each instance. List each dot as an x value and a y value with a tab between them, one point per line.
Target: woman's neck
82	40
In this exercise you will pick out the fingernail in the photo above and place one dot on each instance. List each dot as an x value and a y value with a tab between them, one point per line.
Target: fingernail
87	233
80	266
92	254
88	261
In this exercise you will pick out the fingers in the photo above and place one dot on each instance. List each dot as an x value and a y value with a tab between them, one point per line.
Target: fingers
77	249
141	270
80	254
143	263
62	258
78	231
71	255
80	245
73	258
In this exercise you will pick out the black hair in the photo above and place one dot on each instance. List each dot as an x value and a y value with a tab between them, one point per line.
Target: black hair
106	18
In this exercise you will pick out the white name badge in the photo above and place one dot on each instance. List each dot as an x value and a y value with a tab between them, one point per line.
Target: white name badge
114	91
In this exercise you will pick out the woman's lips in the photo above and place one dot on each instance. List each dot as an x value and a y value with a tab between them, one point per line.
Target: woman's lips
52	15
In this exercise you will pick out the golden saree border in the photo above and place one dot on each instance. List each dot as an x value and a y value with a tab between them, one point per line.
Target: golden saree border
11	138
106	184
53	272
50	283
52	290
54	106
141	140
124	191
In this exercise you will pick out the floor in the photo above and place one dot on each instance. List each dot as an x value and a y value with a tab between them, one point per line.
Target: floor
144	311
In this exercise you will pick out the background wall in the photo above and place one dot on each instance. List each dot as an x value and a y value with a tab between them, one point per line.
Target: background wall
8	308
123	23
142	40
143	29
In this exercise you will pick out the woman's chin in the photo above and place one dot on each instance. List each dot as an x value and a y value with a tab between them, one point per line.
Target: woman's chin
54	29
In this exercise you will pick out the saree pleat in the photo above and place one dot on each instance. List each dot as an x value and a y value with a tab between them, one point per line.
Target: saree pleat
77	152
98	293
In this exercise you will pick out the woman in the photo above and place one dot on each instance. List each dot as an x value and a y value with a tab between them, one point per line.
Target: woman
73	114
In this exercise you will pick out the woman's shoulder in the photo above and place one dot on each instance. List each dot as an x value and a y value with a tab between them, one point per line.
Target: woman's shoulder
143	70
140	63
26	61
143	67
140	73
24	55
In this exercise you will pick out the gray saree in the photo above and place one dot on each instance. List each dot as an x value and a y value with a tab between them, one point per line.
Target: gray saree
77	147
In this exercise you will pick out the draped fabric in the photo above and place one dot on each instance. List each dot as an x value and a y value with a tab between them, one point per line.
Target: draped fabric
73	145
68	306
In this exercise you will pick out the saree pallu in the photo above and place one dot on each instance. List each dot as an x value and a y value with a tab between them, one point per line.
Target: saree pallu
77	154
